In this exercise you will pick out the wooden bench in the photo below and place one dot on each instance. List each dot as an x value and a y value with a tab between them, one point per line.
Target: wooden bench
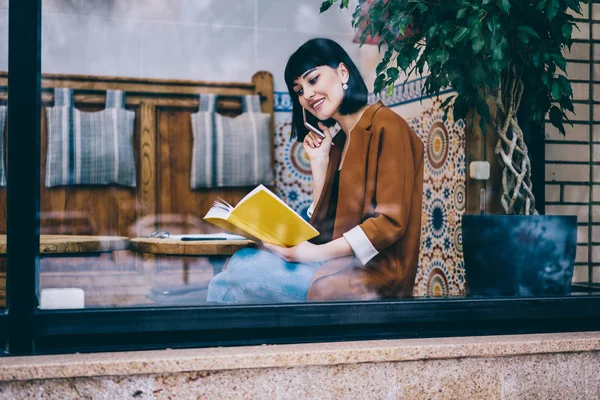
162	199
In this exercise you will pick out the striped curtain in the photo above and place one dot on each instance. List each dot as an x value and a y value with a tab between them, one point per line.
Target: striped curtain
90	148
231	151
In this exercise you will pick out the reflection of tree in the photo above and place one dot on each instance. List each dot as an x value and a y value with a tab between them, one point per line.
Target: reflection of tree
551	269
541	264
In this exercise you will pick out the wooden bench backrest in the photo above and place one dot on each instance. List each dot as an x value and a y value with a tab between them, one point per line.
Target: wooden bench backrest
162	198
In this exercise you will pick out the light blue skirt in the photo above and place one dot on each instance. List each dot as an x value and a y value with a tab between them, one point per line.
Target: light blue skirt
259	276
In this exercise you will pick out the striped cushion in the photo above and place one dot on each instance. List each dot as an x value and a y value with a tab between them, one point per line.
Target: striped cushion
231	151
90	148
3	123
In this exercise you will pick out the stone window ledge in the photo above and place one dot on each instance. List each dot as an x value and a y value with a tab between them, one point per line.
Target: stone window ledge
272	356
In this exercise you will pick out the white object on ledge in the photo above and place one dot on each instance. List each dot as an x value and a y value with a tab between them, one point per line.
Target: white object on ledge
62	298
479	170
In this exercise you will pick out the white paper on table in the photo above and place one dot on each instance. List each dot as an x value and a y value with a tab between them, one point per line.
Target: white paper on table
208	236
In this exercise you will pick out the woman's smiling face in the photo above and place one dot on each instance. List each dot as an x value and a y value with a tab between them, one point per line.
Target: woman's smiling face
319	90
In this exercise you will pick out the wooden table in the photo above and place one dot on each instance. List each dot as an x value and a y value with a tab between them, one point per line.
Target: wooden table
216	251
65	245
72	246
178	247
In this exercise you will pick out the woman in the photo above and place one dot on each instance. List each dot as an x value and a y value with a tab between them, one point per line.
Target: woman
367	190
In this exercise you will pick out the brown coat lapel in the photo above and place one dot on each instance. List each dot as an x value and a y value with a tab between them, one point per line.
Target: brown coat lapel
353	176
335	155
381	186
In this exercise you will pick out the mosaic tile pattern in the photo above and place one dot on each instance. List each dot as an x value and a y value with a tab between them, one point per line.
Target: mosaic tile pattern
407	92
441	266
402	94
292	167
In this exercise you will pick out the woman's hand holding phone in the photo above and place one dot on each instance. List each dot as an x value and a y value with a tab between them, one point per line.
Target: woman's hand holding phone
315	146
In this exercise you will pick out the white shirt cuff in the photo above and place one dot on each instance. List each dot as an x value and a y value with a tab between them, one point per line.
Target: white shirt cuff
310	210
362	247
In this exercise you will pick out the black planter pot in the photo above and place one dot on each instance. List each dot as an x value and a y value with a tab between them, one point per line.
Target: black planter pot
517	255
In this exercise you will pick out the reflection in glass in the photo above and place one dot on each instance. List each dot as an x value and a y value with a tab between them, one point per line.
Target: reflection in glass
135	151
3	141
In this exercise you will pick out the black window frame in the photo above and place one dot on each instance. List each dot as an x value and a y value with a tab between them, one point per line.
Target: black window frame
26	330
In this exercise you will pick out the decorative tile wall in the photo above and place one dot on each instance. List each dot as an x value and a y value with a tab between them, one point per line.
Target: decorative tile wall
441	265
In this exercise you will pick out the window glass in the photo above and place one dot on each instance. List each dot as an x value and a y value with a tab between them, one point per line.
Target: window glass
3	128
161	116
570	174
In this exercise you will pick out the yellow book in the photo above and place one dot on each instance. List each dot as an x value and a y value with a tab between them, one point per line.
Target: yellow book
264	216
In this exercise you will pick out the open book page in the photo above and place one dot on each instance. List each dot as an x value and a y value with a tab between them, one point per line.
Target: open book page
216	217
262	215
262	188
268	217
220	215
220	209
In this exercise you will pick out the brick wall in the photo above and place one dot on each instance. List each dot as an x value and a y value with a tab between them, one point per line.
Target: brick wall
573	160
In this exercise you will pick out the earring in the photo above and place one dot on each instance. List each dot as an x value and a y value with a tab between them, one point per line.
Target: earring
345	86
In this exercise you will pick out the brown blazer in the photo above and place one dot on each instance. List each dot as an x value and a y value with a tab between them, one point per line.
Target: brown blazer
380	189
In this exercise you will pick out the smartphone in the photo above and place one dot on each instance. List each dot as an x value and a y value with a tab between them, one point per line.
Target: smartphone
309	126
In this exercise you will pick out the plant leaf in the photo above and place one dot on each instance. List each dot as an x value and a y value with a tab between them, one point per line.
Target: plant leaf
567	104
447	101
559	60
535	58
523	37
552	9
461	107
326	5
567	30
478	44
540	5
528	31
390	90
393	73
460	35
382	66
431	32
379	82
493	25
565	86
443	56
556	119
556	92
505	5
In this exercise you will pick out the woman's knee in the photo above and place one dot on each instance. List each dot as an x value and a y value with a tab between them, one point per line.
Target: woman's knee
218	280
218	287
240	258
246	261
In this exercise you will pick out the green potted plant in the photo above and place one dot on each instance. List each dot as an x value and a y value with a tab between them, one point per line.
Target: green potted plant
497	55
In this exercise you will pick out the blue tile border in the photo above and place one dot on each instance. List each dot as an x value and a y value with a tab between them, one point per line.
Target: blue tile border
403	93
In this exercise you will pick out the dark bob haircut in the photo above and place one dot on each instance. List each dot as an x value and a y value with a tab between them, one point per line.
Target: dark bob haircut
316	53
